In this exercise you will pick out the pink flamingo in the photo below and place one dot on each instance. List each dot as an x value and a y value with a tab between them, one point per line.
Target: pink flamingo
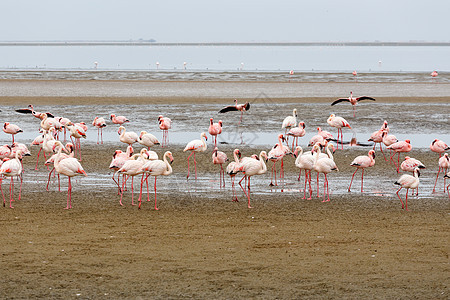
70	167
230	168
77	132
69	148
409	164
118	119
434	74
339	123
219	158
118	160
377	138
64	122
362	162
277	153
11	168
448	186
409	182
147	139
156	168
127	137
305	161
236	107
297	132
132	167
48	122
30	110
99	123
324	165
290	121
215	129
165	124
5	151
251	167
317	139
196	146
439	146
444	163
325	134
11	129
402	146
353	101
389	139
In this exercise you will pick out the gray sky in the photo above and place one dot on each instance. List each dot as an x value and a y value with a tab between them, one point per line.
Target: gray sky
226	21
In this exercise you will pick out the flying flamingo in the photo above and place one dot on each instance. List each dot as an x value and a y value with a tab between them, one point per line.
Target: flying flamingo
290	121
219	158
305	161
196	146
236	107
409	164
165	124
444	163
402	146
339	123
11	168
408	182
127	137
30	110
215	129
362	162
99	123
11	129
132	167
251	167
353	101
439	146
70	167
324	165
147	139
230	168
156	168
118	119
297	132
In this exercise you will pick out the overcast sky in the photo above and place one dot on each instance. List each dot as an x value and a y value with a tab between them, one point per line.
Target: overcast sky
226	21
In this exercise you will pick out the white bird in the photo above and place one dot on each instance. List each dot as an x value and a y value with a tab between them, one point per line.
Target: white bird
324	165
305	161
290	121
196	146
127	137
230	168
147	139
409	182
11	168
339	123
99	123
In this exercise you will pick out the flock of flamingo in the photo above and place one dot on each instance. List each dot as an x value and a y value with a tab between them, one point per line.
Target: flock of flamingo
65	159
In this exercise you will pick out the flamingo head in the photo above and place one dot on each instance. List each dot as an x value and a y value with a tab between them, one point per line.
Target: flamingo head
295	112
169	155
120	129
408	141
372	153
112	116
142	134
220	123
302	124
237	152
204	135
6	124
417	170
264	154
69	148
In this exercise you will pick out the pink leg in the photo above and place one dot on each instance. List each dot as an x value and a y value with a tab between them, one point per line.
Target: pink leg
188	163
48	181
156	208
37	161
400	198
69	195
132	191
318	193
352	179
140	191
11	188
3	196
362	180
406	200
235	199
381	149
195	166
437	176
121	192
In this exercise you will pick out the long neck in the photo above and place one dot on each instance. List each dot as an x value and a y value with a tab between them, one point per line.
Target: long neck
203	141
236	158
58	156
263	164
330	155
168	169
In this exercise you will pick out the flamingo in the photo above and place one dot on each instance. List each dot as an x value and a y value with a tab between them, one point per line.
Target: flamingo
305	161
165	124
324	165
434	74
448	186
196	146
47	122
408	182
11	129
230	168
297	132
389	139
99	123
156	168
236	107
48	143
377	138
19	146
118	160
325	134
64	122
409	164
402	146
316	139
219	158
339	123
11	168
353	101
132	167
69	148
127	137
290	121
147	139
5	151
77	132
118	119
30	110
277	153
444	163
362	162
215	129
439	146
251	167
70	167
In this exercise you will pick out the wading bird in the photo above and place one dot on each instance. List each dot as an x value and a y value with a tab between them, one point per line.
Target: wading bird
196	146
362	162
408	182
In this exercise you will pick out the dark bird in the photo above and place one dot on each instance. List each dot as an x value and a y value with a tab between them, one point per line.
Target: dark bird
236	107
353	101
30	110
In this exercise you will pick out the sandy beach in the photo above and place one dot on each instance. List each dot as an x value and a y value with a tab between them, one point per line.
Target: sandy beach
202	245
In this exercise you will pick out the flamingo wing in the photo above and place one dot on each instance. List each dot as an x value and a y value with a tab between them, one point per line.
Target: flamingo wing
24	111
247	106
227	109
340	100
365	98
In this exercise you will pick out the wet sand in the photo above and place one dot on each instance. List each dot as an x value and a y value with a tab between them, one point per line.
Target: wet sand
202	245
